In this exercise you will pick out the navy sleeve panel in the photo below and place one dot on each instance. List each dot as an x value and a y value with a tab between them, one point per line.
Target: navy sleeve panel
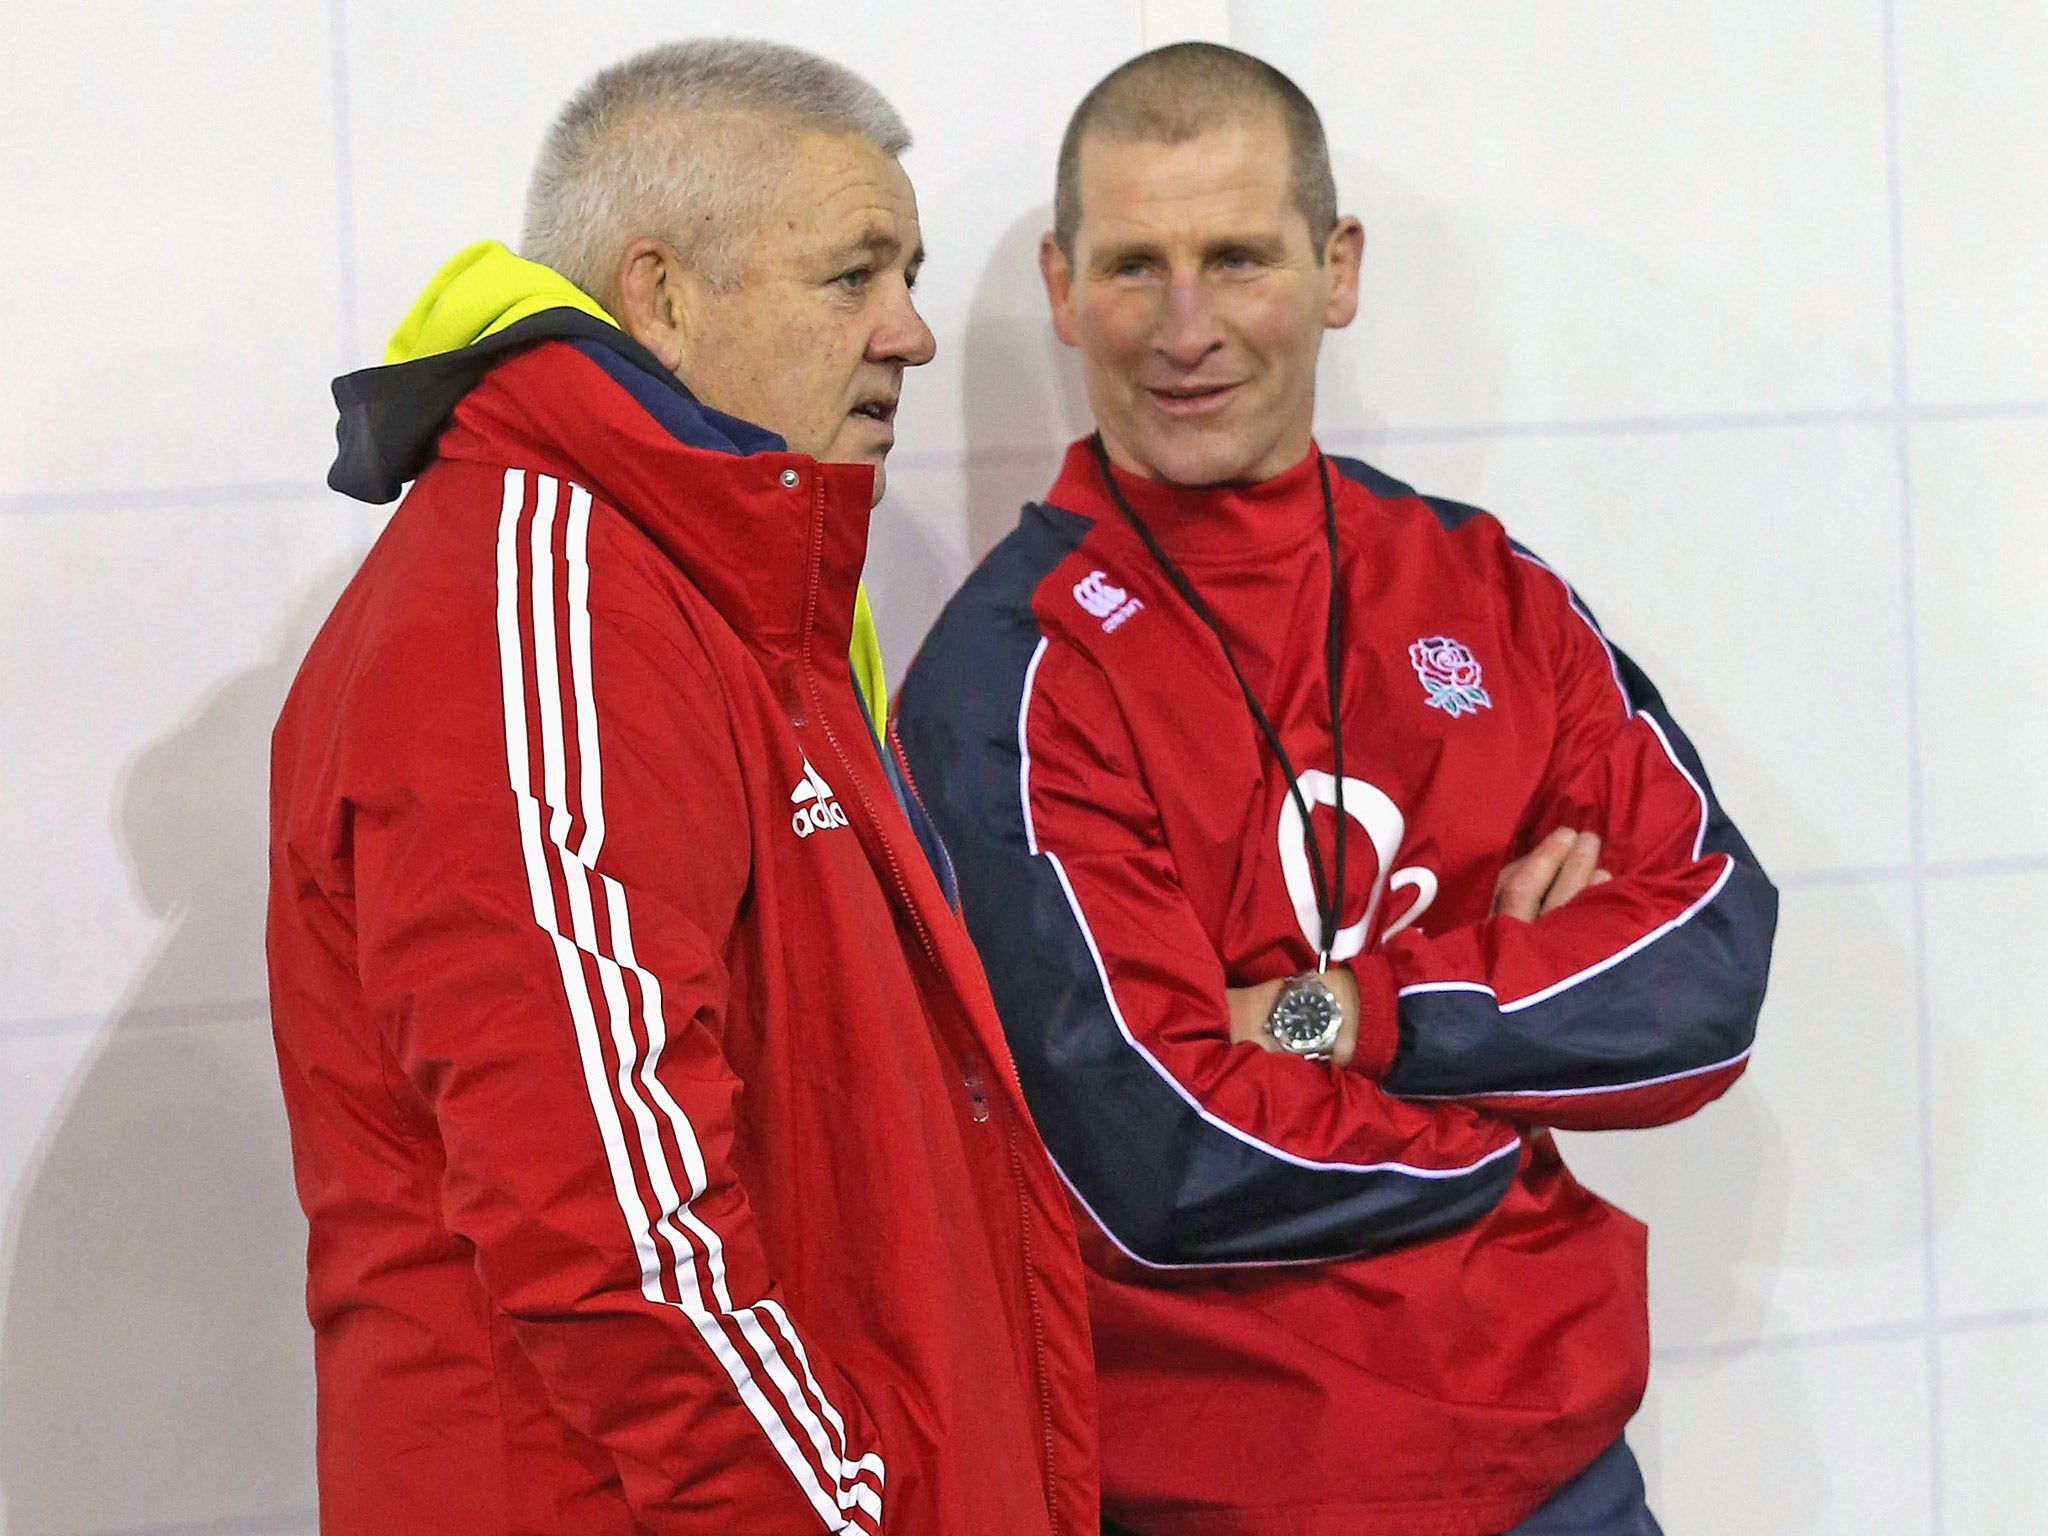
1171	1184
686	417
1682	1007
1642	1036
1449	513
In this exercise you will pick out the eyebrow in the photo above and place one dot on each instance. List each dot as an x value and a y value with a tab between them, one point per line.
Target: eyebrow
877	241
1265	246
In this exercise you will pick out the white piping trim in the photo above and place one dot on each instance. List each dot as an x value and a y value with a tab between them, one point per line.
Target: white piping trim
540	890
1699	842
1544	994
1236	1132
635	1073
1572	598
1586	1093
1024	748
1447	986
1179	1269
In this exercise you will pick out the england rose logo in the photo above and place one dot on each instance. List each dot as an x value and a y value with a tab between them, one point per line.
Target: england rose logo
1450	676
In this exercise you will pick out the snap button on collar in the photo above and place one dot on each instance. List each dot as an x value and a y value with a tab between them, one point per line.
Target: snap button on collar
791	479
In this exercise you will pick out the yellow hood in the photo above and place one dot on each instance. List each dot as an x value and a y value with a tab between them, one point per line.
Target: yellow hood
485	288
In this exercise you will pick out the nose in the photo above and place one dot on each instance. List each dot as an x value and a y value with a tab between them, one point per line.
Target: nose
1188	331
903	337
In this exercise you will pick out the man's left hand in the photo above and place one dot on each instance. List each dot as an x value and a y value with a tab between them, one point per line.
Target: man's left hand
1549	875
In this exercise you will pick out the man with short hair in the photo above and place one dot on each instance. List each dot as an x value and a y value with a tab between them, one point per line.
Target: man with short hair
1324	857
663	1161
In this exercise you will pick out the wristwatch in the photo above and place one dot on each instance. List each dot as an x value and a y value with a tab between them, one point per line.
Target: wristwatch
1306	1017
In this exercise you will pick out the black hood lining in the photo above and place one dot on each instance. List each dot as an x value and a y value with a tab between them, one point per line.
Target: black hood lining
392	416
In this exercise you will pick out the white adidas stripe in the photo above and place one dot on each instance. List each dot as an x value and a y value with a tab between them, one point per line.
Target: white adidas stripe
672	1259
831	1455
592	799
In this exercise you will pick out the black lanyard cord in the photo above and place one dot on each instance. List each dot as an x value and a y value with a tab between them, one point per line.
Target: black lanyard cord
1329	890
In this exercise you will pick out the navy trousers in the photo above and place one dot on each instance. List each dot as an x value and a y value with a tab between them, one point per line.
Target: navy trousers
1606	1499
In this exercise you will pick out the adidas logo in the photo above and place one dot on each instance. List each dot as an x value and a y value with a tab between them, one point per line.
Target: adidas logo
816	809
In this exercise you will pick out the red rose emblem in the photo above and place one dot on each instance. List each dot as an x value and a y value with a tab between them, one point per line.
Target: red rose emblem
1450	675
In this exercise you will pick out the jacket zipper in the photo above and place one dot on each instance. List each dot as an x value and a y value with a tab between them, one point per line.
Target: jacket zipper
924	938
1052	1503
810	677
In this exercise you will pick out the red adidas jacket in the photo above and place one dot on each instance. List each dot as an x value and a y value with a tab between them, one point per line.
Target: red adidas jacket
663	1160
1368	1301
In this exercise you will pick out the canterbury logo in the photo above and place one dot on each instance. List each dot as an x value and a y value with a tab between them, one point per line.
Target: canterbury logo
1103	599
816	809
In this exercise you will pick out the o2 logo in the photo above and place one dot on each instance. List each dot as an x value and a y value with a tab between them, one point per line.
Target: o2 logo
1384	824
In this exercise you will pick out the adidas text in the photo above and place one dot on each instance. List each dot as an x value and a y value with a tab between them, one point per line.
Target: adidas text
816	809
817	818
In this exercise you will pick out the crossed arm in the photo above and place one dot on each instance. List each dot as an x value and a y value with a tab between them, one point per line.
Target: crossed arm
1586	998
1535	885
1580	1001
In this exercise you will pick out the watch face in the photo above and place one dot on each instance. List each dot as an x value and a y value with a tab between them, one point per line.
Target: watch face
1307	1017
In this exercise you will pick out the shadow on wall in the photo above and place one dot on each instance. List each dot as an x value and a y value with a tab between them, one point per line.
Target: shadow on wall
1022	402
155	1361
1715	1189
1716	1239
1422	332
1022	396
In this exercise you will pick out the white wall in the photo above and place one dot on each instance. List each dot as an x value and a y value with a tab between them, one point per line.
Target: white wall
1736	312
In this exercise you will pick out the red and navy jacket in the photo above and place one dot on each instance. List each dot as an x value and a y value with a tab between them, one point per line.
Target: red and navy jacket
1332	1300
664	1166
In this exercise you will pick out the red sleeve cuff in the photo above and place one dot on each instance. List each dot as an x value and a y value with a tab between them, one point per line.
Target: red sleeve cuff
1379	1025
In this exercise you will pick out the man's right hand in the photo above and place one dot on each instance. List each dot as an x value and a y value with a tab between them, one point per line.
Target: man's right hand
1549	875
1542	880
1251	1006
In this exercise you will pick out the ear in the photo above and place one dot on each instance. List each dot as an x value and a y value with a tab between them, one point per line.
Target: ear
1342	254
657	301
1058	274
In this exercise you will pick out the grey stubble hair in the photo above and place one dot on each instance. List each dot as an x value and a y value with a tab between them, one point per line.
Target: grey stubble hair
687	143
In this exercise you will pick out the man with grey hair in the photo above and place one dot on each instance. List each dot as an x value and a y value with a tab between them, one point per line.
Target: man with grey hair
664	1164
1324	858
